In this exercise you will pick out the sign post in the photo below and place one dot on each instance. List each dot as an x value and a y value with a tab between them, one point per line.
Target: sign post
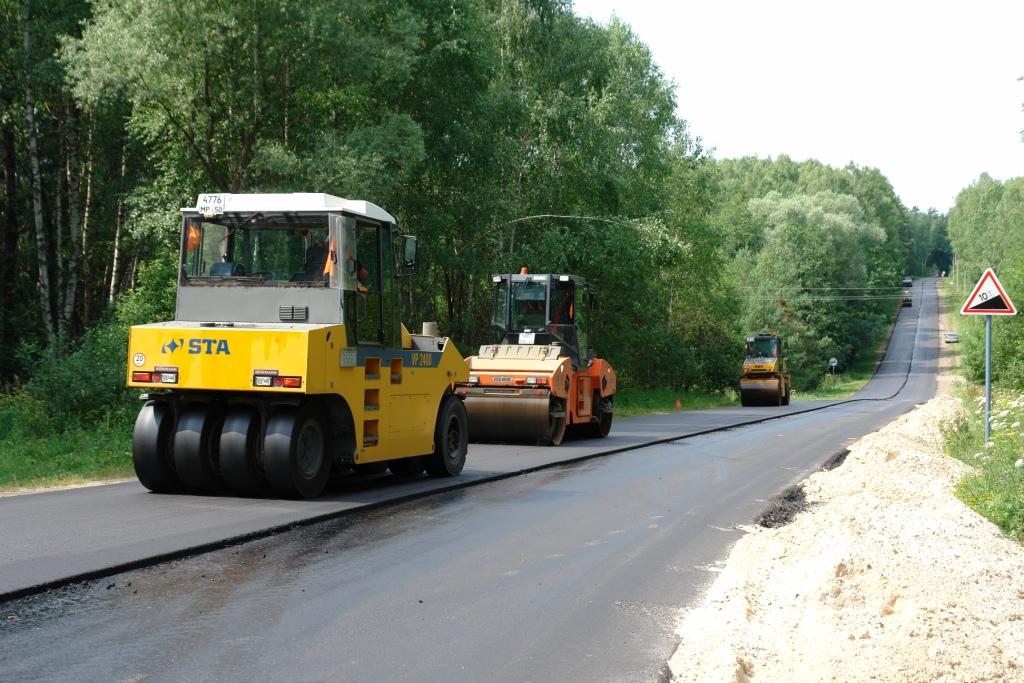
988	298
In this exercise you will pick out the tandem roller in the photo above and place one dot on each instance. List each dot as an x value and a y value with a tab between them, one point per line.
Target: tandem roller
764	380
542	380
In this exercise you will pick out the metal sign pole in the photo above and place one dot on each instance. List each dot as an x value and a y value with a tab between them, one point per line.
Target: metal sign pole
987	298
988	374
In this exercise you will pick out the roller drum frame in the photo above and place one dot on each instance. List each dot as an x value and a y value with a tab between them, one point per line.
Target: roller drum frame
513	418
761	397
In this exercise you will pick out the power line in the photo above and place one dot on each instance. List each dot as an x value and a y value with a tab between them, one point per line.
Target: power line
878	297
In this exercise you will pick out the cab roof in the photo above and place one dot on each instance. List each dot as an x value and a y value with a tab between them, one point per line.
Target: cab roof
538	277
295	202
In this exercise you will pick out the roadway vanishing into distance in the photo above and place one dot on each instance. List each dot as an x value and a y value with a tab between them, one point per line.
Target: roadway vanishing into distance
566	571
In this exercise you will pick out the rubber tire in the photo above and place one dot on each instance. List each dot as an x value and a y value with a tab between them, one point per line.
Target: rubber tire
407	467
287	475
239	449
785	399
151	448
556	426
451	440
603	425
196	448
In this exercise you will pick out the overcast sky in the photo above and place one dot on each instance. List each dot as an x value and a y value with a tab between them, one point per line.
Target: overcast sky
927	92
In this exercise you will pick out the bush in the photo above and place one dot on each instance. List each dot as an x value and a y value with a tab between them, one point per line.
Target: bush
996	489
72	418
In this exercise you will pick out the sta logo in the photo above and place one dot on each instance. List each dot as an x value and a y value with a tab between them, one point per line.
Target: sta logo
171	346
206	347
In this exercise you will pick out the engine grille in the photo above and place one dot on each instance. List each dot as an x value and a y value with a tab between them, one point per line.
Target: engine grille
294	313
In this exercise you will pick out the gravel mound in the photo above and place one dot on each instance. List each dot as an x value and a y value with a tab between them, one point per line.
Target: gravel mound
885	576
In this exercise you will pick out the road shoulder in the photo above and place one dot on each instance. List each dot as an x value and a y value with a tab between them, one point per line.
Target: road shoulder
885	575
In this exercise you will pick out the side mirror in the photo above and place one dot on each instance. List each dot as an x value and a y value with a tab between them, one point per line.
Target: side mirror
409	254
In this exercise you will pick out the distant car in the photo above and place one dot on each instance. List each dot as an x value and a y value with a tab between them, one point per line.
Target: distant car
952	338
907	299
908	281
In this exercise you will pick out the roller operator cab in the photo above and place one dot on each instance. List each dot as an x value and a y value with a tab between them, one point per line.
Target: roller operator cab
765	379
287	361
542	377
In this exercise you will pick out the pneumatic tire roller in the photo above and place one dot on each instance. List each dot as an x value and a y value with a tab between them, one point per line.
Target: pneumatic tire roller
287	363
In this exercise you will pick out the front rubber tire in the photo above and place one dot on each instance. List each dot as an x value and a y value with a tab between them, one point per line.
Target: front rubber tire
295	453
197	447
239	449
151	448
451	440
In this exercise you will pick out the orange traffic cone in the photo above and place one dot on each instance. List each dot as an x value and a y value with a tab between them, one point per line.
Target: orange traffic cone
679	404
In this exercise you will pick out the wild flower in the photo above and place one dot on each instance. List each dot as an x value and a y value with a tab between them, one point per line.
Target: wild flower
1015	425
1019	463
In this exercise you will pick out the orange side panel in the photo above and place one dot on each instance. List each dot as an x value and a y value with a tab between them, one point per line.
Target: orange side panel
582	408
603	377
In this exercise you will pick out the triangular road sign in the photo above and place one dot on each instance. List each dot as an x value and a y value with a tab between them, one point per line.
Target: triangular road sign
988	298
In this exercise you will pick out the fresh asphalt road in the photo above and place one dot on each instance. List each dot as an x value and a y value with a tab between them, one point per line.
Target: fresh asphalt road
51	538
572	572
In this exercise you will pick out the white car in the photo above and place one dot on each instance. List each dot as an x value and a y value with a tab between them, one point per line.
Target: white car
952	338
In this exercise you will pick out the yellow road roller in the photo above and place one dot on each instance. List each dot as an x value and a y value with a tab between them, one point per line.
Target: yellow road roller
542	377
287	361
764	379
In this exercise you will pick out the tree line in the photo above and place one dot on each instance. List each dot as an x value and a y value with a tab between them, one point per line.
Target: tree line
985	231
503	133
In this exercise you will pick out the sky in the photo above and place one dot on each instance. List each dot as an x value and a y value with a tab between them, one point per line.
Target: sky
927	92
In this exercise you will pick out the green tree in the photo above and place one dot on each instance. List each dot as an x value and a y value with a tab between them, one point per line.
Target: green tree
809	275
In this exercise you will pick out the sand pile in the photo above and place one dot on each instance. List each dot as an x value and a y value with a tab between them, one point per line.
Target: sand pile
885	577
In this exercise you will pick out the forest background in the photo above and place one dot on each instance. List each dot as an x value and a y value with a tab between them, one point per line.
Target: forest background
501	133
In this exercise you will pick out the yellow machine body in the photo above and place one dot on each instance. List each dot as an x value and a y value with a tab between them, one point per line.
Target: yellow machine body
393	394
764	379
287	363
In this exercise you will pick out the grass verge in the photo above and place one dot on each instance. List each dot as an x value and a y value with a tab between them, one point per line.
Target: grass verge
630	402
996	489
42	458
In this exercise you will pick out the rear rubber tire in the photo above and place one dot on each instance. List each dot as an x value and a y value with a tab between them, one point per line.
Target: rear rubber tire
603	426
197	447
295	453
239	450
151	448
451	440
407	467
556	425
